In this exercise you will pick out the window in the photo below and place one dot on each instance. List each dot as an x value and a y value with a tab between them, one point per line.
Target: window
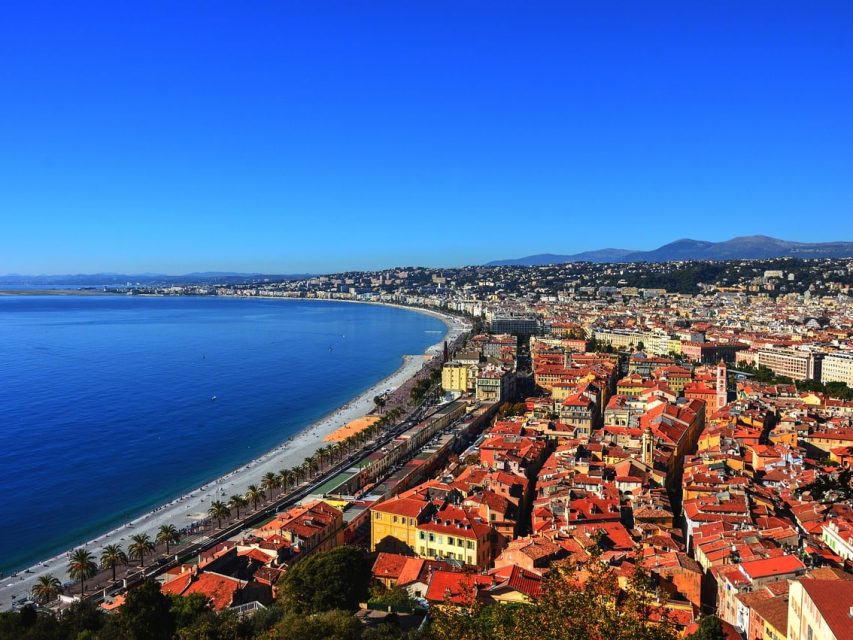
379	516
422	535
432	537
450	540
395	519
460	542
470	544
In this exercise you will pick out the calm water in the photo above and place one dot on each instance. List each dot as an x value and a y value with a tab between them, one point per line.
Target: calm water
105	402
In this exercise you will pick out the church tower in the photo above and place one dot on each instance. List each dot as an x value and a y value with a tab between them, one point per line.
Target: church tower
722	394
648	444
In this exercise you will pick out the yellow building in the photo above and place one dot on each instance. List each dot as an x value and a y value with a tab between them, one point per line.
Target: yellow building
456	534
455	377
394	524
819	609
410	524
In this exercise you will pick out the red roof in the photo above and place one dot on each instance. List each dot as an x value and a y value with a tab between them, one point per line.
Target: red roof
517	579
834	600
455	587
217	588
389	565
781	565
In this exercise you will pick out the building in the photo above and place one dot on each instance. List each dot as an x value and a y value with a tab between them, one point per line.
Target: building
315	526
455	533
820	610
710	352
394	523
494	384
516	325
797	365
455	376
837	367
838	535
620	338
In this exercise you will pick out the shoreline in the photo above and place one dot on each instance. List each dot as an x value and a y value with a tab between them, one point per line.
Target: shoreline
191	507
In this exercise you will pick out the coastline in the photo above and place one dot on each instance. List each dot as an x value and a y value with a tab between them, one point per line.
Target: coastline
192	507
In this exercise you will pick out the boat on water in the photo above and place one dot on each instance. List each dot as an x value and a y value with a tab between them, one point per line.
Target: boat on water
213	397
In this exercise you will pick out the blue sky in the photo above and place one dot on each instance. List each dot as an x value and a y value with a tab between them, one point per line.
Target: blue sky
290	137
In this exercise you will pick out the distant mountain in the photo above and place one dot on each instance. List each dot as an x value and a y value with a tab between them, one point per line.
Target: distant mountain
600	255
119	279
741	248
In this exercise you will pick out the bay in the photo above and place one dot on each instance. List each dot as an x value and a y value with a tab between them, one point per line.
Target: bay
106	405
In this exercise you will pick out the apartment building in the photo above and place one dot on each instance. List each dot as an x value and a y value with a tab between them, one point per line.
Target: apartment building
837	367
797	365
820	610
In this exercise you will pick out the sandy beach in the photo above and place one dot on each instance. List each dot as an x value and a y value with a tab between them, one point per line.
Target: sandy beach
192	507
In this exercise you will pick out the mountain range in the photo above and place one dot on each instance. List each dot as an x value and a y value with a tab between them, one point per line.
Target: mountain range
740	248
120	279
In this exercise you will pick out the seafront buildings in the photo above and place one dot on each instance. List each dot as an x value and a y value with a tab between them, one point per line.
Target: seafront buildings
704	437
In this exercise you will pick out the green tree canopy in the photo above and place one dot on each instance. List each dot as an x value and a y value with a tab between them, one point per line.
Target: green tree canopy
710	628
336	579
146	614
573	606
329	625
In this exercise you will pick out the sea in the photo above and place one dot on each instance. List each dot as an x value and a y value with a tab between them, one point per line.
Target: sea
107	403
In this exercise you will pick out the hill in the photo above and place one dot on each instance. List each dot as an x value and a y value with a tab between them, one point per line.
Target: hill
740	248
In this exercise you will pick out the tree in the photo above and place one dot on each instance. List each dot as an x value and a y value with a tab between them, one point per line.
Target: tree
46	589
139	546
336	579
329	625
210	625
81	566
235	502
255	495
112	556
168	534
219	510
396	597
146	614
710	628
269	483
380	402
186	610
82	620
574	605
284	479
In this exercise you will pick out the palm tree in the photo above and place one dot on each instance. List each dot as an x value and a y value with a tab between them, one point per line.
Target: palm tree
82	566
255	495
322	455
269	483
312	465
284	479
292	477
235	502
219	510
112	556
46	589
141	545
168	534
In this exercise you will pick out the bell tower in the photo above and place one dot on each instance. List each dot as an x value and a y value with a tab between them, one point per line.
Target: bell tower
648	444
722	394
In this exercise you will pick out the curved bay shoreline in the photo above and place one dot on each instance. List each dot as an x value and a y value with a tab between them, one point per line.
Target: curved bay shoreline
192	507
